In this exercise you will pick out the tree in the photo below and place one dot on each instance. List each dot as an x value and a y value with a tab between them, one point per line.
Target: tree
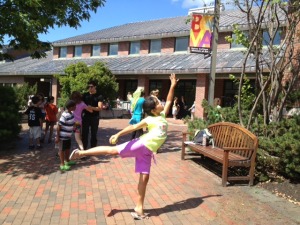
9	115
78	75
23	21
23	92
265	20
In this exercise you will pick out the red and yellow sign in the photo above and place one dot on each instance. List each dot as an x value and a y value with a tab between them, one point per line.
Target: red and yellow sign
201	33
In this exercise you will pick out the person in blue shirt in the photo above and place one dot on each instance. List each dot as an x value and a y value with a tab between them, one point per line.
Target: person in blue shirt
137	111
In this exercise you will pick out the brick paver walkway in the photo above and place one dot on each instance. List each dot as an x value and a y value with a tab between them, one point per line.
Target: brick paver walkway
102	190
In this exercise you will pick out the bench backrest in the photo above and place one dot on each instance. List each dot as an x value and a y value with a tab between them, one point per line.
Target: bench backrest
227	134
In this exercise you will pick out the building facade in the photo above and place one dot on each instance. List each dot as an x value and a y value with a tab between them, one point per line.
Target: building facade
142	54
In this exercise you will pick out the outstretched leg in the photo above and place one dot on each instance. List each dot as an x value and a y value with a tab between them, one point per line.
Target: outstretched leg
143	181
100	150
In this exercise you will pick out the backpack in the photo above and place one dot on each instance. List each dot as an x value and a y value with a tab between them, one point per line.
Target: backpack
198	138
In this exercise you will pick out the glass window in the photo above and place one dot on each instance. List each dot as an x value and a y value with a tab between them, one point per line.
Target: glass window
181	44
78	51
130	86
155	84
96	50
155	46
63	52
266	38
113	49
135	47
237	45
230	91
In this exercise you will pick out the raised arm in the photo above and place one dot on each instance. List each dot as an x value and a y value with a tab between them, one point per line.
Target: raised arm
170	96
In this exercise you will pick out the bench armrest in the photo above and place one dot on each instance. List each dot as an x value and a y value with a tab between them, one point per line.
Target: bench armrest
237	149
184	135
189	133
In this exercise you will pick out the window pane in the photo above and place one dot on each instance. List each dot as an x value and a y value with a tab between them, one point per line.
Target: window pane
63	52
266	38
155	46
181	44
113	49
135	47
96	50
78	51
236	45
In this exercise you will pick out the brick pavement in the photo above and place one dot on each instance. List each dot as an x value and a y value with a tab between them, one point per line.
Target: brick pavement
102	190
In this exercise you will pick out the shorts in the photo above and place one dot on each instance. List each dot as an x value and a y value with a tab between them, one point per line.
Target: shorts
43	115
50	123
143	156
77	128
65	145
35	132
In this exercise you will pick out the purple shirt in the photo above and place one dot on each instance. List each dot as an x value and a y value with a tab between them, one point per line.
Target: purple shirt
78	111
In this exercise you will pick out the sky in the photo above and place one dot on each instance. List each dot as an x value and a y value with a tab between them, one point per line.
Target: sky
118	12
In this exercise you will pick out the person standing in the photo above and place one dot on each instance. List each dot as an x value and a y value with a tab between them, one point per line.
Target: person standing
41	105
129	96
51	119
34	122
64	133
175	108
80	106
90	120
137	111
192	109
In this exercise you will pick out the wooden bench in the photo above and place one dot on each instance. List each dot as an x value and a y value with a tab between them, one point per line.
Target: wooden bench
234	146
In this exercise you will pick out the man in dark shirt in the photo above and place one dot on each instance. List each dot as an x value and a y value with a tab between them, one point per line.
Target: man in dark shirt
34	122
90	120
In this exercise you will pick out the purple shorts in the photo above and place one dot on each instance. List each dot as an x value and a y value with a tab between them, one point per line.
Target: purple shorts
135	148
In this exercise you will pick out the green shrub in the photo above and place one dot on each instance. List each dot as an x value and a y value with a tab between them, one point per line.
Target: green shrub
279	146
22	93
281	140
9	114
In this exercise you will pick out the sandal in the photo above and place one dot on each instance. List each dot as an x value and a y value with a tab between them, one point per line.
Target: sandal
74	154
139	217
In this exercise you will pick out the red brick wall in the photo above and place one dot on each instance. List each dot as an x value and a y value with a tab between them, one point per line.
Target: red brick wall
86	51
124	48
55	52
70	51
167	45
201	93
104	49
144	49
16	53
222	43
143	81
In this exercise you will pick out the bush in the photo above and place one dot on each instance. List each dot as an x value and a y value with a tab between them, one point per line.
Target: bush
279	147
22	93
281	140
9	114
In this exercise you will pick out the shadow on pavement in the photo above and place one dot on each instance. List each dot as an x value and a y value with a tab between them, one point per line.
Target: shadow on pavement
187	204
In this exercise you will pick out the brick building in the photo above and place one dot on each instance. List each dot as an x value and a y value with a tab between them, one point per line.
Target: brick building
142	54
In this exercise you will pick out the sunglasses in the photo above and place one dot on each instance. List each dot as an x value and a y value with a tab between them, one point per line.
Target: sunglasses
91	86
